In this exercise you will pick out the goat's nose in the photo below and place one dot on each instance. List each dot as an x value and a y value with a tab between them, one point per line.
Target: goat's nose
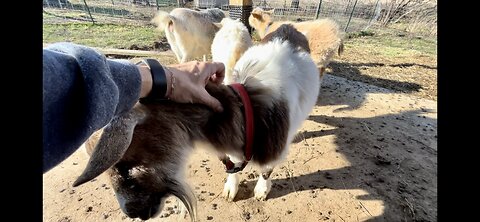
149	212
130	212
134	210
145	214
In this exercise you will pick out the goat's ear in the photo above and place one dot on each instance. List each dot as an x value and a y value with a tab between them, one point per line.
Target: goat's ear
257	13
257	10
270	12
112	145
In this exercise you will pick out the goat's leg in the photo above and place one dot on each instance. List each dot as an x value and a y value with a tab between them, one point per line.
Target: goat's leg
264	185
230	189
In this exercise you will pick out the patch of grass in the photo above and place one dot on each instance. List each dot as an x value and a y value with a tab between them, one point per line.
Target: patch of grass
391	45
390	59
360	34
101	35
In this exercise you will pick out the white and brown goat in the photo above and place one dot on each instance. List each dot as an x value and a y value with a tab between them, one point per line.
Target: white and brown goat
145	150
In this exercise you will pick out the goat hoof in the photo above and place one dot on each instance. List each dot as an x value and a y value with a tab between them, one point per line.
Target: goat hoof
262	189
230	189
228	195
261	197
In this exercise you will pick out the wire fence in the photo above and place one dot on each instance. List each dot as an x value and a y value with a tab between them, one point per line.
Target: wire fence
351	15
103	11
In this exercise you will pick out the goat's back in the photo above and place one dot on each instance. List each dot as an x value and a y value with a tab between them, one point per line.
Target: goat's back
214	14
193	22
286	32
323	35
280	72
190	32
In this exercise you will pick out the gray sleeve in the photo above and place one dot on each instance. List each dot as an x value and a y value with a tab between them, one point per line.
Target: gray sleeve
82	92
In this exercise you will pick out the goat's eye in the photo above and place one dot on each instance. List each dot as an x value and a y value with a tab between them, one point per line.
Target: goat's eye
132	186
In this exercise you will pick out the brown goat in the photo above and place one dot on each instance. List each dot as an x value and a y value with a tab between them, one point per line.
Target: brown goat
323	35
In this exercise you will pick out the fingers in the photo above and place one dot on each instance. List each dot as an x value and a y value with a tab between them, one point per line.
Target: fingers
219	72
192	78
212	71
210	101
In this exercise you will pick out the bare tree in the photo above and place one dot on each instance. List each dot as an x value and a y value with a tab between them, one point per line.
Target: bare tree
396	10
423	20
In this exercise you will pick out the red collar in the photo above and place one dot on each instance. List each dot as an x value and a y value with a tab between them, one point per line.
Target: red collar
249	128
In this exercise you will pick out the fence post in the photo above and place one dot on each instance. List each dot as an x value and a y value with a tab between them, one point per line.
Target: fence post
241	9
88	9
113	3
351	14
156	2
318	9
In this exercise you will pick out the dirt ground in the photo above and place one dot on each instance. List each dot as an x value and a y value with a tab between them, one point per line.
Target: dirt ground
365	154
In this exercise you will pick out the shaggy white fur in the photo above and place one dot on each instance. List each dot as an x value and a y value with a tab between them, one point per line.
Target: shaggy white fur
289	76
229	44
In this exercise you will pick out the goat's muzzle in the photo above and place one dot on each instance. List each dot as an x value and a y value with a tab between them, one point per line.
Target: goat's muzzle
144	209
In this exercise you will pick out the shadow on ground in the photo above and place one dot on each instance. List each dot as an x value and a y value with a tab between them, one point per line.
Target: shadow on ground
391	157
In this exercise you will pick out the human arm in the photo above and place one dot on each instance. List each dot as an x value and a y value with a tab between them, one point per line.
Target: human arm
83	91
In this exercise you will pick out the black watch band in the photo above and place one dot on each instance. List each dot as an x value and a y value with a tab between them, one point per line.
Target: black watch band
159	81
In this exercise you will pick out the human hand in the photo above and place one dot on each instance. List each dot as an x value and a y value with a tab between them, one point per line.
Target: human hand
189	81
